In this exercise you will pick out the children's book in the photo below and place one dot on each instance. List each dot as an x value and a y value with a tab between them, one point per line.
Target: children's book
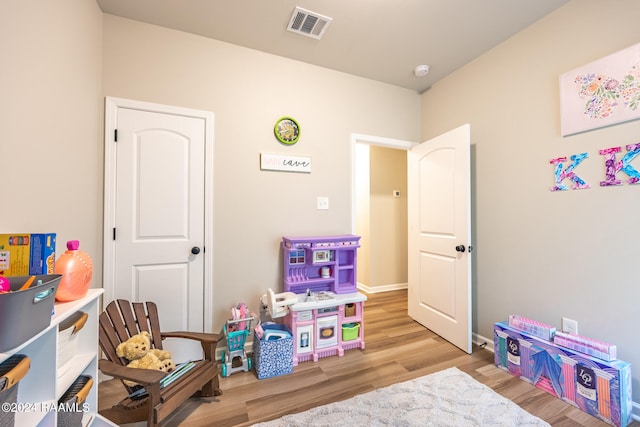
180	370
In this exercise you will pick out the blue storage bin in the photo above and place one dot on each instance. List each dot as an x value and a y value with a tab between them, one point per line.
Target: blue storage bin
273	357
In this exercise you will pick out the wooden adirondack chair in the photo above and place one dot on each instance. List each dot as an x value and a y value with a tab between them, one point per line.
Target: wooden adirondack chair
120	320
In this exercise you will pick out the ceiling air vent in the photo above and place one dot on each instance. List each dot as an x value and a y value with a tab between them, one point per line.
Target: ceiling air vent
308	23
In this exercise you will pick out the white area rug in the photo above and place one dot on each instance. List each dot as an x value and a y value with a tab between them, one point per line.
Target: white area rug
445	398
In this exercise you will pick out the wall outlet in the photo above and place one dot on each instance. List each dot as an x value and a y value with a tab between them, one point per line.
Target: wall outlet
322	203
569	326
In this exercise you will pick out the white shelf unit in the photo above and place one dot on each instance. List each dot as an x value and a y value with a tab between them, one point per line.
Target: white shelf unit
41	388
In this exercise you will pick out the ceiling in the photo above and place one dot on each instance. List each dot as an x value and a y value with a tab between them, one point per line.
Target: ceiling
383	40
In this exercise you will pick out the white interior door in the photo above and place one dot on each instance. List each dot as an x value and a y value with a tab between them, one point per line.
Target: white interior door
159	216
440	236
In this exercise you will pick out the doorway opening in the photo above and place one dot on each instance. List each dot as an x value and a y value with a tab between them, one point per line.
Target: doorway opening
379	211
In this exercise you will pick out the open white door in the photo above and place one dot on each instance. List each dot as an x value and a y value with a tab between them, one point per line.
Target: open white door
440	236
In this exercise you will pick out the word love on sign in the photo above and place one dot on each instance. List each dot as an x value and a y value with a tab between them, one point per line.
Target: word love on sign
281	162
613	166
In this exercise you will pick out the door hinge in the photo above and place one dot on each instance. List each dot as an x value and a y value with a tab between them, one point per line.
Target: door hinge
114	233
115	135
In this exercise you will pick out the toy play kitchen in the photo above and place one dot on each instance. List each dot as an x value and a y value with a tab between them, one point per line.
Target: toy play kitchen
320	264
321	304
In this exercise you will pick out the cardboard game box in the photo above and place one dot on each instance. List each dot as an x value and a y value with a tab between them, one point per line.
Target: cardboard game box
24	254
600	388
43	254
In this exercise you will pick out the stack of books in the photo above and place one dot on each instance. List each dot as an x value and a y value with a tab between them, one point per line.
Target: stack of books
180	370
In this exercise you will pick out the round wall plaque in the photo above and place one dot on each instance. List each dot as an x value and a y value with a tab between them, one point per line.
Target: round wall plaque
287	130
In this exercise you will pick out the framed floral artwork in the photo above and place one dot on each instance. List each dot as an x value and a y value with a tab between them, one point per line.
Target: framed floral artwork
602	93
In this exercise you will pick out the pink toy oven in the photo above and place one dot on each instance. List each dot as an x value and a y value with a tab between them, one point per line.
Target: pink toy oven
318	326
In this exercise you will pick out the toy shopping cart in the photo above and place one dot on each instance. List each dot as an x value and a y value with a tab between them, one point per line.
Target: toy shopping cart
236	332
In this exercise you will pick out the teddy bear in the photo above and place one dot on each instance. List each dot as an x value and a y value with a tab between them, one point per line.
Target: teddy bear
139	345
167	365
137	350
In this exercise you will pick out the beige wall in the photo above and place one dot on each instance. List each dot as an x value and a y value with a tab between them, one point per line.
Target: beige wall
51	154
539	253
248	91
381	218
388	217
362	216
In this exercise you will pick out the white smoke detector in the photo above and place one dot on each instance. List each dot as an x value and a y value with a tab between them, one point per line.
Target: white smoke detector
421	70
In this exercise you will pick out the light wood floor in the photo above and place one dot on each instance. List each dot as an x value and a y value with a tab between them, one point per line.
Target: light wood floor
397	349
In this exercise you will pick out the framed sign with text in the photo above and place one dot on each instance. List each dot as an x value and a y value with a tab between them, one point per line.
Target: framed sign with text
285	163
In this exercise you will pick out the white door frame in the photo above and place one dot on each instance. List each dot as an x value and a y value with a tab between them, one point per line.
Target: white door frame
111	110
379	141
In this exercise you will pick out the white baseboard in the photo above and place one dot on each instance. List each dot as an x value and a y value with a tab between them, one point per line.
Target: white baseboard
382	288
483	342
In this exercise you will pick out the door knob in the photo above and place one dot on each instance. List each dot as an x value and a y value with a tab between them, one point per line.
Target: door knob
460	248
195	250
